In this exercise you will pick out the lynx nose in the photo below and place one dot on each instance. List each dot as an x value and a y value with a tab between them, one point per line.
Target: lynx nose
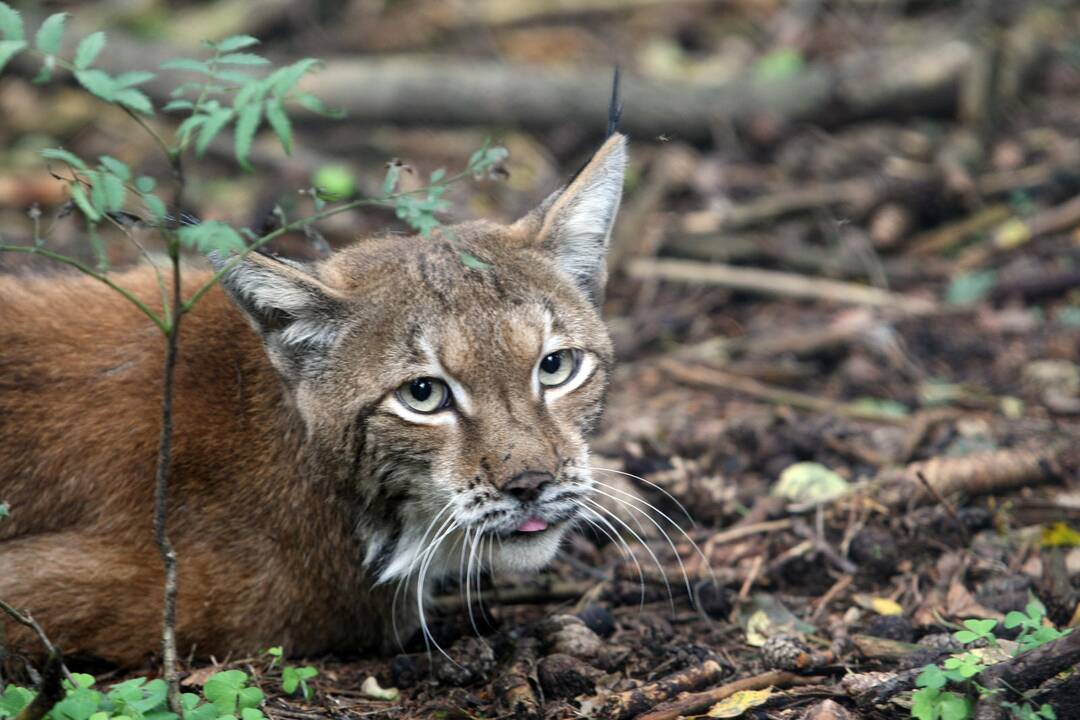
526	486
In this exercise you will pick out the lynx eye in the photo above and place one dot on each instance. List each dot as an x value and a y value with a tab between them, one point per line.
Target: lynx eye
558	367
424	395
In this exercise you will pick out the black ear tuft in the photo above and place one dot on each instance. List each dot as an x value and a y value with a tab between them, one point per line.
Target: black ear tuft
614	113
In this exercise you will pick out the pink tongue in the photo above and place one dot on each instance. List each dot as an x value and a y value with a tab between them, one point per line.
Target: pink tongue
532	525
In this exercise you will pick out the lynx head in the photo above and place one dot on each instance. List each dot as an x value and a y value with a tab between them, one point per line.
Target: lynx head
449	381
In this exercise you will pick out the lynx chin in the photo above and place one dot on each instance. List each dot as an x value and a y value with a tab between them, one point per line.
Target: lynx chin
346	433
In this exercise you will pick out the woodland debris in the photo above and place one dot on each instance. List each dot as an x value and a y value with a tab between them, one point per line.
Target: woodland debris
698	702
1026	671
514	684
569	635
773	282
984	473
828	710
562	676
634	702
709	377
414	90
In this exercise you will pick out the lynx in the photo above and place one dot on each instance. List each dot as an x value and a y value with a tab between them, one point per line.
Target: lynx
346	433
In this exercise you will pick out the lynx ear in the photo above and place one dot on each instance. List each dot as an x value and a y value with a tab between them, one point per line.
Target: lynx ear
576	221
298	316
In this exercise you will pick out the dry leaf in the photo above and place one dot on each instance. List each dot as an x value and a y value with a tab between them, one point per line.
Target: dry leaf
740	702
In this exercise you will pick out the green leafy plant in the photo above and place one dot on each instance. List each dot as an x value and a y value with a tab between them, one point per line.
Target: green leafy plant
5	510
292	678
947	692
229	88
1034	630
226	696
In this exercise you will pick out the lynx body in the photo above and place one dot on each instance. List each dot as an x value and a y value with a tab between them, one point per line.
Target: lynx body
344	432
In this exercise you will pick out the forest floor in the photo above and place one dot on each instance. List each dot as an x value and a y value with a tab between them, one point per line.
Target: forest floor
848	350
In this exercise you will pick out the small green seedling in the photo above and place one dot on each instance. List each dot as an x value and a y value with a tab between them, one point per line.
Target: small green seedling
292	678
949	692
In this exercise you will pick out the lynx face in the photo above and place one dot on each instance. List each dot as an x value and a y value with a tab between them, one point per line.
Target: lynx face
450	399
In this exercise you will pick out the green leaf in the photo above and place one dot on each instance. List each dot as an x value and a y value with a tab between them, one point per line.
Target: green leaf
316	105
135	77
14	698
290	680
11	24
1016	619
188	126
277	650
50	33
307	672
97	82
780	64
249	697
246	125
222	688
438	175
279	121
251	714
215	122
155	205
334	182
471	261
78	196
116	167
284	79
242	59
8	50
205	237
234	77
46	71
5	510
924	704
145	183
64	156
954	707
186	64
970	287
236	42
931	677
135	100
178	105
113	191
89	48
982	628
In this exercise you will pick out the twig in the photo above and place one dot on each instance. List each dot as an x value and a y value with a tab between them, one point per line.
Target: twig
823	602
161	490
772	282
698	702
631	703
945	504
27	620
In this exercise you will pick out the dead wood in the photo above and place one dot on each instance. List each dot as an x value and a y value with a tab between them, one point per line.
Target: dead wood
982	473
701	701
418	90
771	282
634	702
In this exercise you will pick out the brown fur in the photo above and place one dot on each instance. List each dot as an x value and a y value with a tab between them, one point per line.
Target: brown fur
293	466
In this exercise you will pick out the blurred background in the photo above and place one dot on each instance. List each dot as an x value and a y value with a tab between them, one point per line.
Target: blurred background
850	237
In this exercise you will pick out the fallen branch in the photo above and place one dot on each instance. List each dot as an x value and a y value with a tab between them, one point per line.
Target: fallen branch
984	473
426	91
634	702
513	687
772	282
701	701
709	377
